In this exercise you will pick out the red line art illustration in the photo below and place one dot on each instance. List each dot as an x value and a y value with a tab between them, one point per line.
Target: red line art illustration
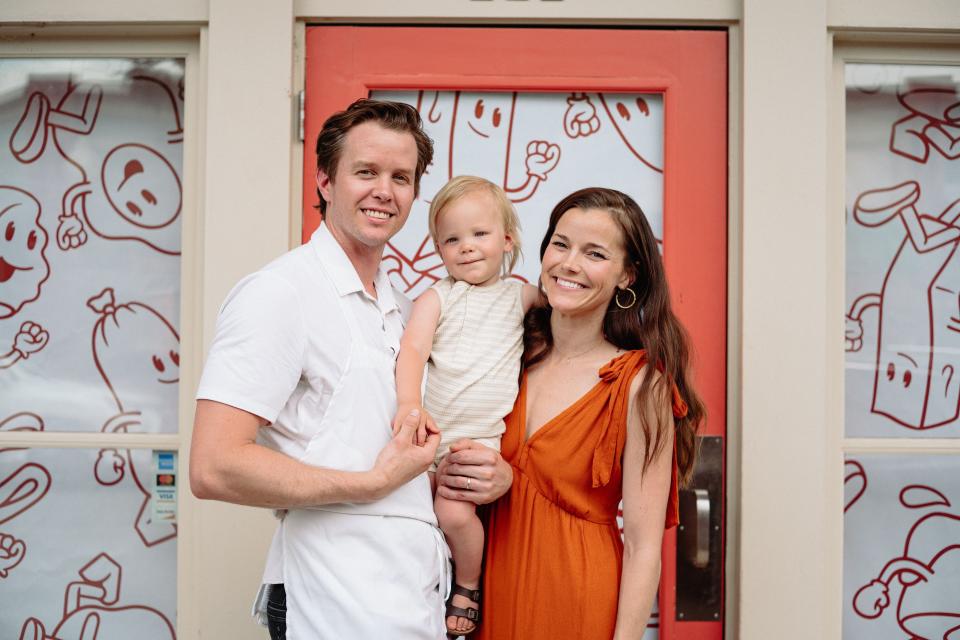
933	122
30	339
927	570
20	490
641	133
138	196
854	483
580	119
915	383
474	134
481	138
23	243
136	351
91	612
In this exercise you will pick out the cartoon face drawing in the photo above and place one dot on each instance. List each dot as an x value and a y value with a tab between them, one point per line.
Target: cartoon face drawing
142	186
138	354
481	129
23	242
639	123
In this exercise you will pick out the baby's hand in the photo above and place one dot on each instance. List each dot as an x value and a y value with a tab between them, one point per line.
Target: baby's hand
425	424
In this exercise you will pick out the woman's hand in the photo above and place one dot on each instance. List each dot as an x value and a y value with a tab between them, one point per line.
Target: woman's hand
473	473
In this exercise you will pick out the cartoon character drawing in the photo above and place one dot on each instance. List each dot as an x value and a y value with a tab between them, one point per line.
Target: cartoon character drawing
23	243
481	136
933	122
927	570
137	194
91	610
638	125
919	321
19	491
136	351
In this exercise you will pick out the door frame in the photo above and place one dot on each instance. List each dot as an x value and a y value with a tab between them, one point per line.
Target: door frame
695	91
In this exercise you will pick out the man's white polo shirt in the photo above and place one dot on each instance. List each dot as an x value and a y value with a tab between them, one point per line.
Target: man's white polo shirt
283	343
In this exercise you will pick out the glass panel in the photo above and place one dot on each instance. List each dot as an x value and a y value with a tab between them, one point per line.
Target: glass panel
901	547
78	547
903	268
539	147
90	203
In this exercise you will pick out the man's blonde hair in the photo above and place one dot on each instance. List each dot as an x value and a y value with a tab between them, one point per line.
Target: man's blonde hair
460	186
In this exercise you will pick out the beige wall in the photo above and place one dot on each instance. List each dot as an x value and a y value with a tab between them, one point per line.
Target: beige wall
785	471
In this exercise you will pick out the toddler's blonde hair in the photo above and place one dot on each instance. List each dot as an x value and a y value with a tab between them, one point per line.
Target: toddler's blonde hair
460	186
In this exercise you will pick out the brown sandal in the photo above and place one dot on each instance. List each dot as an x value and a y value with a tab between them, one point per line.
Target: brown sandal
470	613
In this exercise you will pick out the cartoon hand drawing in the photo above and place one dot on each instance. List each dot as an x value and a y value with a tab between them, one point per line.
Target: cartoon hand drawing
19	491
23	242
580	118
542	158
30	339
136	351
91	612
933	122
138	195
919	320
927	570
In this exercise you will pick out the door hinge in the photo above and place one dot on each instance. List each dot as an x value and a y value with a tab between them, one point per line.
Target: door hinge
300	117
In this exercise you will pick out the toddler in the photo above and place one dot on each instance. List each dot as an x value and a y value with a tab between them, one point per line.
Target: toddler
468	330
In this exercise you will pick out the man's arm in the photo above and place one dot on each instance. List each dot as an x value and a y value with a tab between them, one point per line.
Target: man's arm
227	464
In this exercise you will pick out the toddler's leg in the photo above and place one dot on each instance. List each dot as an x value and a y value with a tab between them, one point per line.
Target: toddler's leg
464	534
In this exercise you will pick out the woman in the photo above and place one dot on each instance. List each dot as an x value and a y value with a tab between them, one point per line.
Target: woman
555	565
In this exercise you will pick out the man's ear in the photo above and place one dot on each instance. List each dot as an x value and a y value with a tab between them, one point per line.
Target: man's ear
323	184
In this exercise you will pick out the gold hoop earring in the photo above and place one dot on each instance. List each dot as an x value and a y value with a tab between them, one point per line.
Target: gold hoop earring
616	298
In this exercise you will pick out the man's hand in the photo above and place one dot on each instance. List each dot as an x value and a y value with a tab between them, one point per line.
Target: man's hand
402	459
473	473
425	424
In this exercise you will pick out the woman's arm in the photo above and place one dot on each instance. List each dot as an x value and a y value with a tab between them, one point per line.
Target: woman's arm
645	495
415	346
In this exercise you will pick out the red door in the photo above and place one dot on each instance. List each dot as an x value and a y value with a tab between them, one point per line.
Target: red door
619	83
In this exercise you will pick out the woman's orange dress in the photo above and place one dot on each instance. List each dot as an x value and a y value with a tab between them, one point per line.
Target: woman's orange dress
553	551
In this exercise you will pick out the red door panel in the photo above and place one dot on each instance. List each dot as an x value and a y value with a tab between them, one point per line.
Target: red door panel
688	67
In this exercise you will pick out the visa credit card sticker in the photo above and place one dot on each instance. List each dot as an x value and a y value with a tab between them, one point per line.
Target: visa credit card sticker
164	498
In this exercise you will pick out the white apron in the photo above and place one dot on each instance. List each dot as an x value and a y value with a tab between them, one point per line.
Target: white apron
378	570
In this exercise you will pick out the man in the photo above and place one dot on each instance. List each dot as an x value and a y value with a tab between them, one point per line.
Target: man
297	395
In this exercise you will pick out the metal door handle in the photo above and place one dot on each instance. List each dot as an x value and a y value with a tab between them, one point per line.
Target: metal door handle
693	535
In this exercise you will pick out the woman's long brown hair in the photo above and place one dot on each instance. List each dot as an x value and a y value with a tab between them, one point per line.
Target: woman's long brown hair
649	324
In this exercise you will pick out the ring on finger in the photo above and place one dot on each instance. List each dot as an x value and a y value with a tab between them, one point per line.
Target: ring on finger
468	483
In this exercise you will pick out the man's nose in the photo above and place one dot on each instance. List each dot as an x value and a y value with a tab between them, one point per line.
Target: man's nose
382	189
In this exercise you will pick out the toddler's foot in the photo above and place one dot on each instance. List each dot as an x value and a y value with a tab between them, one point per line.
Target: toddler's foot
463	610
